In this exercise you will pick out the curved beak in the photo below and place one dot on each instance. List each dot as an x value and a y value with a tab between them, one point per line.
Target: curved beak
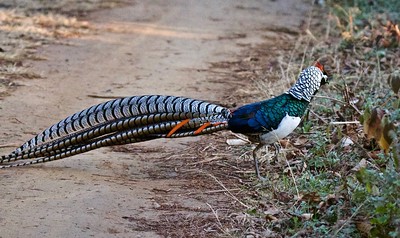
325	79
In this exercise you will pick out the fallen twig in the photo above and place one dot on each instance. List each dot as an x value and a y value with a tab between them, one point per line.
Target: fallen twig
228	191
9	145
343	122
320	118
206	160
104	97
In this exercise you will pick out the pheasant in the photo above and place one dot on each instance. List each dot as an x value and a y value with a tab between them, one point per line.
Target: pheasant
142	118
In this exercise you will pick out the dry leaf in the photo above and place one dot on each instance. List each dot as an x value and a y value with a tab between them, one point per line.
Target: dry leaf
396	155
360	165
236	142
364	227
378	126
306	216
393	31
346	141
311	197
387	137
270	217
372	123
394	81
347	35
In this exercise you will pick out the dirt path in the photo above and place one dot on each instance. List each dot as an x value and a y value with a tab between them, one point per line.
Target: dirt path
150	47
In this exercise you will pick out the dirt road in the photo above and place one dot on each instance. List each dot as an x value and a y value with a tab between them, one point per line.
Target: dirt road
148	47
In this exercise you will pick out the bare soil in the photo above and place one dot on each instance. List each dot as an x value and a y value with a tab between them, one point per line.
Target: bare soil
158	188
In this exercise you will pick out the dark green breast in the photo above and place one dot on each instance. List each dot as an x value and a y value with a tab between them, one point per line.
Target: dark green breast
266	115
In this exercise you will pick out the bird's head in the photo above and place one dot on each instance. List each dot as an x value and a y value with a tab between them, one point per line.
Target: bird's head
309	82
325	78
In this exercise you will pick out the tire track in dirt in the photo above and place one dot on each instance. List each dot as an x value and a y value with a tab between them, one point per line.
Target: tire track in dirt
157	47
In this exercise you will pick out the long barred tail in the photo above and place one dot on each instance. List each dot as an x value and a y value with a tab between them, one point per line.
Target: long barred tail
121	121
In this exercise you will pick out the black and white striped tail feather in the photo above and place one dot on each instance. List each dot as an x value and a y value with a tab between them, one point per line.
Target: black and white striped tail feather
77	138
61	154
126	137
101	129
139	128
121	108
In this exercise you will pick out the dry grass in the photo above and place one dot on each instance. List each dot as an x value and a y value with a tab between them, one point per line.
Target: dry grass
22	33
313	185
27	25
64	7
319	186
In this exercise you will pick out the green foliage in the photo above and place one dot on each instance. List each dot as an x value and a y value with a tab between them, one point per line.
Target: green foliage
350	190
307	125
368	9
380	191
375	189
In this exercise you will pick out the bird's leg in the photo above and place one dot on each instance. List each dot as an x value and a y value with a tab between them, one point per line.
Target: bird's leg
277	147
258	147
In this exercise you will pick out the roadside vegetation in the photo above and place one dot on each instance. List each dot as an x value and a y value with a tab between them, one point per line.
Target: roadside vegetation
339	174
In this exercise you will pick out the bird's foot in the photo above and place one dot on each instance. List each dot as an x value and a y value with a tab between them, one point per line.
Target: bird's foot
256	167
277	147
263	179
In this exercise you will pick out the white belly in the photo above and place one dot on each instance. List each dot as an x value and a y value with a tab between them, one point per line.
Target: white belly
287	126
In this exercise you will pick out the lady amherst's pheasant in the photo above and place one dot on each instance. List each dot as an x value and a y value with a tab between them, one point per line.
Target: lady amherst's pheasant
142	118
